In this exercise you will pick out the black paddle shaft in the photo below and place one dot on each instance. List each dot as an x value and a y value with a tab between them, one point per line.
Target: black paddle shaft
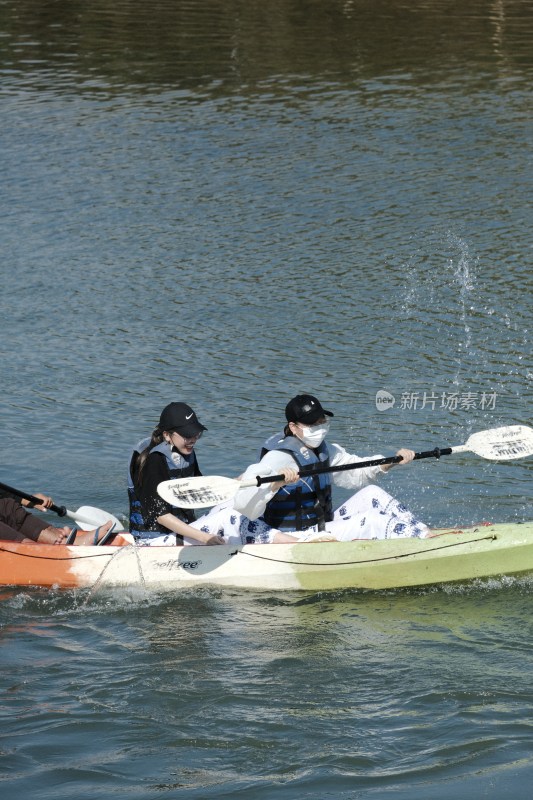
59	510
374	462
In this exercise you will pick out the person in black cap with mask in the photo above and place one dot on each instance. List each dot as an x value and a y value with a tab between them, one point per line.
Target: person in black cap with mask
168	454
304	505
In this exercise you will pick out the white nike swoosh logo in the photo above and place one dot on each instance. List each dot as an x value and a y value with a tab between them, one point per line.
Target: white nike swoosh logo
190	415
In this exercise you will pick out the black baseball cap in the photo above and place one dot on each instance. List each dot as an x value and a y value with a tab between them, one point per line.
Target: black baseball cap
181	418
305	408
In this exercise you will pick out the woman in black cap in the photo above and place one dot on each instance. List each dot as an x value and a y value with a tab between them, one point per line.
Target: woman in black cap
304	505
168	454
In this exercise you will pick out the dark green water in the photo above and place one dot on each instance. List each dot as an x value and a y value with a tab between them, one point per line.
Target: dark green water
228	203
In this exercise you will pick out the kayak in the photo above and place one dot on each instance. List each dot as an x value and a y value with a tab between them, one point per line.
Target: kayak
448	556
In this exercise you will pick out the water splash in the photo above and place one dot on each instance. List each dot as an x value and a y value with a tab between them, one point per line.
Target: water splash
442	283
465	279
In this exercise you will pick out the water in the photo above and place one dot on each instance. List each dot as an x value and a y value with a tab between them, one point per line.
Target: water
217	695
229	203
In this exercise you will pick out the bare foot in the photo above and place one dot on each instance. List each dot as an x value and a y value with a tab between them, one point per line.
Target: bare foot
53	535
93	537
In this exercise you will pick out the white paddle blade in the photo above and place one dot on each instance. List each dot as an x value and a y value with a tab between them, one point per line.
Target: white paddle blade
89	517
502	444
198	492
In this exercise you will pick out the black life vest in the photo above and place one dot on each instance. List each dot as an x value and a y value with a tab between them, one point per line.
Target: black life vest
179	466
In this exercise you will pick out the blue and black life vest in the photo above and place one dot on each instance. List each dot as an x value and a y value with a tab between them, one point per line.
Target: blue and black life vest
307	502
179	466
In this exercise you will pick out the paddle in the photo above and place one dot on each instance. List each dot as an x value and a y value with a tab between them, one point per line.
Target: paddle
86	515
497	444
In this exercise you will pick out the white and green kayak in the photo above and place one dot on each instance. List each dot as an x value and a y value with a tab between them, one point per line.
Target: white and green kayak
449	556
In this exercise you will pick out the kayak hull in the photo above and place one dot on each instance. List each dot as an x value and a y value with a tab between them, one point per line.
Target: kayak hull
479	552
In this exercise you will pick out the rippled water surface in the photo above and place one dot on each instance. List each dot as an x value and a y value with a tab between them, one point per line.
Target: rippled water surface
228	203
220	695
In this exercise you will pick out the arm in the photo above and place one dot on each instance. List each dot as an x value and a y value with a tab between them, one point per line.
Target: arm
155	471
251	502
46	501
178	526
359	478
407	457
5	495
356	478
157	511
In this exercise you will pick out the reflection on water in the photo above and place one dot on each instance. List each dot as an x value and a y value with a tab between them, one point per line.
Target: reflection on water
219	47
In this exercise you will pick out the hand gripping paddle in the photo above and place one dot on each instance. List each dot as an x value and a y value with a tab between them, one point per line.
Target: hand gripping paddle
88	517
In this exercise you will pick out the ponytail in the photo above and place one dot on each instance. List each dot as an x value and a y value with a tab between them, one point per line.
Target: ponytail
157	438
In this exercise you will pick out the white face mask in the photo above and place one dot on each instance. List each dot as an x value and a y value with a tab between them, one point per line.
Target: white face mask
314	435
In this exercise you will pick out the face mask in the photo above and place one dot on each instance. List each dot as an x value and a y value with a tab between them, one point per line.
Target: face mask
314	435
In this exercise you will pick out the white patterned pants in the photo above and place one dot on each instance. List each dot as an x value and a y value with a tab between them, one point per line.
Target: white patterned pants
371	513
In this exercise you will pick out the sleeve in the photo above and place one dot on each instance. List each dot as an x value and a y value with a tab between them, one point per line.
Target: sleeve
155	471
252	501
5	494
356	478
